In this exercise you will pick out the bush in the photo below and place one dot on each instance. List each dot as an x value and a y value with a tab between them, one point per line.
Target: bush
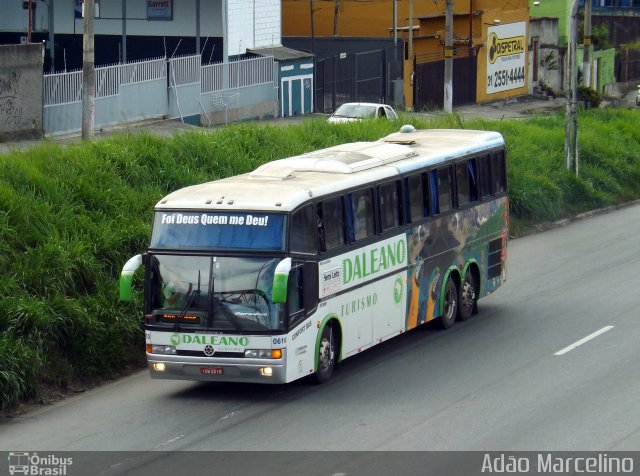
590	97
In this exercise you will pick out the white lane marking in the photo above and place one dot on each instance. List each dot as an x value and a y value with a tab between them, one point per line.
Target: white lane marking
229	415
584	340
166	443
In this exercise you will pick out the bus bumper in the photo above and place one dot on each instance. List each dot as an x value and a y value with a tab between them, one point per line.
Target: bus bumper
178	367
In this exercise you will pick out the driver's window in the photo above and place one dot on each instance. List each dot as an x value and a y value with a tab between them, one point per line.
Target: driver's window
295	303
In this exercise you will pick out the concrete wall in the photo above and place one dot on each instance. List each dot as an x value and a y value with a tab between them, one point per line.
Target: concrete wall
603	63
559	9
21	90
550	58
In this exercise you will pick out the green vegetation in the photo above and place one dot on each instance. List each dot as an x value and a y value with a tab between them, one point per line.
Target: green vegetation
71	217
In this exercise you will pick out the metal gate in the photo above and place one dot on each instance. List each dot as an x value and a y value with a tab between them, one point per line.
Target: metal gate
429	83
352	77
628	66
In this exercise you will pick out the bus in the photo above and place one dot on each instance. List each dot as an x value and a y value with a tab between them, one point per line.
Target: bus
286	271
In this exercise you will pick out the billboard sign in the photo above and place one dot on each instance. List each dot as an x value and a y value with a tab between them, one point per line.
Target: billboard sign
506	57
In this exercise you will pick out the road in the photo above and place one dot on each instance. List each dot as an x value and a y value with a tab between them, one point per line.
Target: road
521	375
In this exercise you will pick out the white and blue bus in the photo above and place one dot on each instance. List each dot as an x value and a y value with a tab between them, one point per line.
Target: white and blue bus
284	272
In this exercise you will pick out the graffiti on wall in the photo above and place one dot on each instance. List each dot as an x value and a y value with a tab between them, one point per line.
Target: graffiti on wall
21	90
11	110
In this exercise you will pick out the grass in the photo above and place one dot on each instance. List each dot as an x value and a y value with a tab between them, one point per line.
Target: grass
70	218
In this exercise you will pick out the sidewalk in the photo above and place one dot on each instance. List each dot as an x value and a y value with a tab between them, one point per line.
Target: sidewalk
519	108
522	107
160	127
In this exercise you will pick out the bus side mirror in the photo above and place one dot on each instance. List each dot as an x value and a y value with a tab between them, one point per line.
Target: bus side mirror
126	277
280	281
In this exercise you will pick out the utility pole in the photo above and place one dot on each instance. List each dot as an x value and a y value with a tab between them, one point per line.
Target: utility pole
313	30
88	72
586	50
571	119
409	106
448	58
336	12
30	5
124	31
52	45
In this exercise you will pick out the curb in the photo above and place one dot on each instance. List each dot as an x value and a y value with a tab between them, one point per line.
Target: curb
579	217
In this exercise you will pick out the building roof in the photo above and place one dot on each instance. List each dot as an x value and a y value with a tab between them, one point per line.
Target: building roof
280	53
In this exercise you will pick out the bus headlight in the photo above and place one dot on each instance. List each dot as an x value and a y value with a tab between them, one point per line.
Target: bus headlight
263	353
163	349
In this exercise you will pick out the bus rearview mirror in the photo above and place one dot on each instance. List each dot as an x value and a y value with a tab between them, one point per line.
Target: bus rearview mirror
280	281
126	277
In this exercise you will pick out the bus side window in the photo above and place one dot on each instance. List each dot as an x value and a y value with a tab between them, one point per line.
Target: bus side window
440	187
498	174
390	212
303	230
472	165
417	198
484	172
330	224
462	184
361	220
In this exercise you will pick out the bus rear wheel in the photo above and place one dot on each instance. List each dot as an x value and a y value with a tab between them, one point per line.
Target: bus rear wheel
326	355
468	297
450	307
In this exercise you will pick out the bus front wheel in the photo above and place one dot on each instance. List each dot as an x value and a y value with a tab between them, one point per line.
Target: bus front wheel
450	305
326	355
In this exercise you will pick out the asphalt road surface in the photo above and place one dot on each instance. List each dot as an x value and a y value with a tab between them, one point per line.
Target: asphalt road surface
550	363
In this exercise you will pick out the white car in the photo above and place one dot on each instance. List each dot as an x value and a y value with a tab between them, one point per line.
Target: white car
355	111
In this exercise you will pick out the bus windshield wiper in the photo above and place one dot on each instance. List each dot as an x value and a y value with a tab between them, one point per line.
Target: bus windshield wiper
191	296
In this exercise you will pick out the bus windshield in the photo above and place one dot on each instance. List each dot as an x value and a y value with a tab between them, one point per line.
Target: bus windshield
214	293
218	230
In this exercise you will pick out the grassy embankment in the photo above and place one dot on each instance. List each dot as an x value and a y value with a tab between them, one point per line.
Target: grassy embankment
70	217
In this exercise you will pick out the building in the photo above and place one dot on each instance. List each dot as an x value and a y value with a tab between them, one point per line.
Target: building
603	61
200	61
490	54
132	30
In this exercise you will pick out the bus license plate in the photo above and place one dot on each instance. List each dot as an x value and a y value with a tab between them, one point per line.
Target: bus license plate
211	370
